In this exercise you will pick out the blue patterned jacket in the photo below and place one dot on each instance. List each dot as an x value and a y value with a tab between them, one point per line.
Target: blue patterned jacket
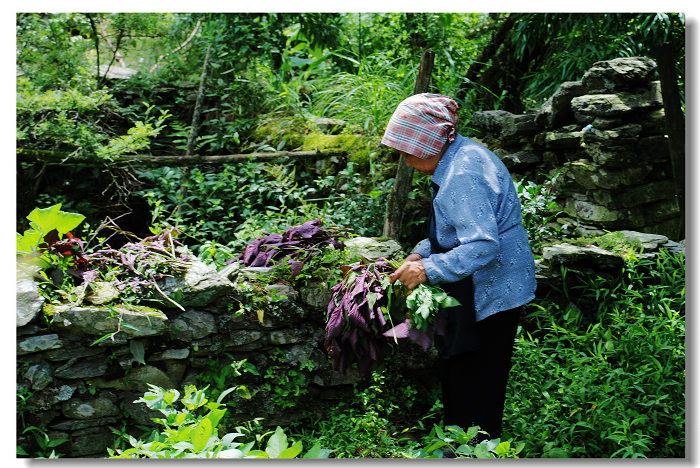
478	221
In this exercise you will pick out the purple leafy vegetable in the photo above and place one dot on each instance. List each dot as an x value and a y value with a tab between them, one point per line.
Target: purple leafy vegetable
296	245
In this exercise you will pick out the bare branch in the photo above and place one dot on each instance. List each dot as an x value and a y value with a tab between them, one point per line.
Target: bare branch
187	41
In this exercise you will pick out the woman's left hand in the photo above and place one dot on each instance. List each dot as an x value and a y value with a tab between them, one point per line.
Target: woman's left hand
411	274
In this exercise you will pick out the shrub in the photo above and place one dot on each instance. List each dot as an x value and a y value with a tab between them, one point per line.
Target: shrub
189	434
605	376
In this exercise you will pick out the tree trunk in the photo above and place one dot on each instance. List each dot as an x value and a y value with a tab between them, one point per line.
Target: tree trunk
486	54
675	124
192	138
396	202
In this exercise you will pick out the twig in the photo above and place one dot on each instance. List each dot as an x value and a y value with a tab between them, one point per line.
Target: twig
165	295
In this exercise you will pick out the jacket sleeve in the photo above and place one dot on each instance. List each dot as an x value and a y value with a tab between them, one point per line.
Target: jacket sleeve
423	248
468	210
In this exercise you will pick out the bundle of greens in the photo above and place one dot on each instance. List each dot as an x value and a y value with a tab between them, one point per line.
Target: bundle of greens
363	310
296	245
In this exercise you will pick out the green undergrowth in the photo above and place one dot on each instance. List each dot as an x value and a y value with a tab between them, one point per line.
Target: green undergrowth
603	374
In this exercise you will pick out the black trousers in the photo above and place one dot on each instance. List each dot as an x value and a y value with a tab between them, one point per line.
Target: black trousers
474	382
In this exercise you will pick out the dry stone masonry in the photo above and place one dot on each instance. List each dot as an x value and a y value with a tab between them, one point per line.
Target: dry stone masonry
606	135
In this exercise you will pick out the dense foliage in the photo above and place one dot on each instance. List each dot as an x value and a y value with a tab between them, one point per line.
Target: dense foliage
599	367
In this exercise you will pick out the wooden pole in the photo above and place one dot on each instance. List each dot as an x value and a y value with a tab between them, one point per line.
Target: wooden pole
396	202
149	160
675	124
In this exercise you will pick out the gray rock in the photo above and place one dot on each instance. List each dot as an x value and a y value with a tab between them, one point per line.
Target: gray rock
89	409
520	160
35	344
374	248
645	240
77	424
182	353
674	247
238	338
64	393
200	285
192	325
558	140
102	293
619	73
490	121
281	292
230	271
316	294
586	108
254	272
590	212
138	379
514	127
64	354
288	336
91	442
332	126
39	376
561	113
83	369
591	176
29	300
139	320
139	412
588	257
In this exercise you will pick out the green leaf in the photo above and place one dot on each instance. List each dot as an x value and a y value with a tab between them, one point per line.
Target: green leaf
216	415
277	443
292	451
199	436
243	392
314	452
29	242
137	350
48	219
257	454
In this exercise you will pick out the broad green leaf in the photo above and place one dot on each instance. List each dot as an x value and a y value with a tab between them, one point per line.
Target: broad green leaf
215	416
257	454
138	351
261	315
292	451
371	299
314	452
29	241
277	443
52	218
243	392
200	433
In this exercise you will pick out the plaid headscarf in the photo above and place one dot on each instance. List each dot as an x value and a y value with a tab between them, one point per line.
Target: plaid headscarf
422	124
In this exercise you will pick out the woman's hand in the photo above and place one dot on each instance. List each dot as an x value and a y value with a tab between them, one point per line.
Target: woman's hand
414	257
411	273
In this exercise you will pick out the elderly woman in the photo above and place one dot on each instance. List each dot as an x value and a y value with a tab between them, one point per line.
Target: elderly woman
477	250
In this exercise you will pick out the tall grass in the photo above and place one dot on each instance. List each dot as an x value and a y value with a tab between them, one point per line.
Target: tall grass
367	98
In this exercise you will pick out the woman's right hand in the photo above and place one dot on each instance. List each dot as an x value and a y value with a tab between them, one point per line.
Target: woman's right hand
414	257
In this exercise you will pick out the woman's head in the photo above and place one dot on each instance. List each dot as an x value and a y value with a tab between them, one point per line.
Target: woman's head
422	125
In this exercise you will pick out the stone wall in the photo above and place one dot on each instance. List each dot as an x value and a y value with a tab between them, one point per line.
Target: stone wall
80	390
614	175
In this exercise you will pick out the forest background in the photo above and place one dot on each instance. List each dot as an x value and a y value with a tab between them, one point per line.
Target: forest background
268	78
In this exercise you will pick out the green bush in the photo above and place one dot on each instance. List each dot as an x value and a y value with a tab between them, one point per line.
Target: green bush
605	376
189	434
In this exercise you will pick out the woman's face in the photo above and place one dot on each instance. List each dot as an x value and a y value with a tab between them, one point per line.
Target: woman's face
426	166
